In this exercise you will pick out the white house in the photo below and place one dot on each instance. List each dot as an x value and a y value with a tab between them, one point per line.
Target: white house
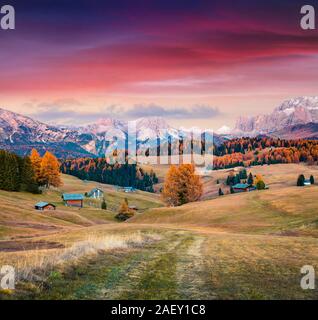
96	193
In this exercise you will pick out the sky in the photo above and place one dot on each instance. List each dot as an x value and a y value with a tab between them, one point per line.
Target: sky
194	62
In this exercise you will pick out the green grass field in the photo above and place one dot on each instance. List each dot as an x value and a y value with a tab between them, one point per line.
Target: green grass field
241	246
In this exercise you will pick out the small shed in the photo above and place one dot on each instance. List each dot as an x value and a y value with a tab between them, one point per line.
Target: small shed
242	187
134	208
129	189
73	199
96	193
44	206
307	182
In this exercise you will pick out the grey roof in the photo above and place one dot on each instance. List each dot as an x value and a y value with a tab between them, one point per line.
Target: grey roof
72	196
94	190
43	204
241	186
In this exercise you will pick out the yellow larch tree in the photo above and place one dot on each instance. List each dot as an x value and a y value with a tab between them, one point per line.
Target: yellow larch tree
182	185
36	160
50	171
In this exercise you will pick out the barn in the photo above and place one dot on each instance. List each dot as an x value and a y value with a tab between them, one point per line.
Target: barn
73	199
44	206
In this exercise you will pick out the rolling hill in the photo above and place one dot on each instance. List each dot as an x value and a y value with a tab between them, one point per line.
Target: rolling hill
241	246
19	219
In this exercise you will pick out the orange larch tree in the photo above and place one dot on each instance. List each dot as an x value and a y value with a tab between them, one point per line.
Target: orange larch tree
36	160
182	185
50	171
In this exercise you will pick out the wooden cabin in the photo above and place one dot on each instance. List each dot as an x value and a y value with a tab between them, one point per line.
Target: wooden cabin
243	187
44	206
73	199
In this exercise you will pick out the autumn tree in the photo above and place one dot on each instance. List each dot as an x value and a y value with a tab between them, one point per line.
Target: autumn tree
260	185
124	212
124	206
182	185
50	171
36	160
259	182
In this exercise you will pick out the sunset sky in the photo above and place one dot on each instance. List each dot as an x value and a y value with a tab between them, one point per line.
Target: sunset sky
193	62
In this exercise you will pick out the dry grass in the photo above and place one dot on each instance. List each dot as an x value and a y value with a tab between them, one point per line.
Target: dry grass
241	246
19	219
30	264
271	211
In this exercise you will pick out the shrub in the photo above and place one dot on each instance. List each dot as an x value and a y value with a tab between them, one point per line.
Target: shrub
125	215
260	185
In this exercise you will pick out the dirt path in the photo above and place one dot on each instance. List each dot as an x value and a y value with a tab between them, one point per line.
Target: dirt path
172	268
192	273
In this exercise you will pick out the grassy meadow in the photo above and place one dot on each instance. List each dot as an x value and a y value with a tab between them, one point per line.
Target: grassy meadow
239	246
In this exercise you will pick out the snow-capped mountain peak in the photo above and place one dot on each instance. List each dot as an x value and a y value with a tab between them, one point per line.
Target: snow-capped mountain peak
20	134
298	111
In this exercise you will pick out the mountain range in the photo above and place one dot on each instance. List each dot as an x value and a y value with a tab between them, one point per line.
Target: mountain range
20	134
293	119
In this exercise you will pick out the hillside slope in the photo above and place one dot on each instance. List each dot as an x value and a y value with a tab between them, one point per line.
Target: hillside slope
284	207
19	219
241	246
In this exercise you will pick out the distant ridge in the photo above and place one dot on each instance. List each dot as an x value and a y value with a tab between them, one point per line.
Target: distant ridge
19	133
293	115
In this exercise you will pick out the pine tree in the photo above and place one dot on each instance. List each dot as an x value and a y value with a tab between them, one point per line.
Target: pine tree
10	171
312	179
50	171
12	175
243	174
301	180
221	192
236	179
104	205
28	182
250	179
